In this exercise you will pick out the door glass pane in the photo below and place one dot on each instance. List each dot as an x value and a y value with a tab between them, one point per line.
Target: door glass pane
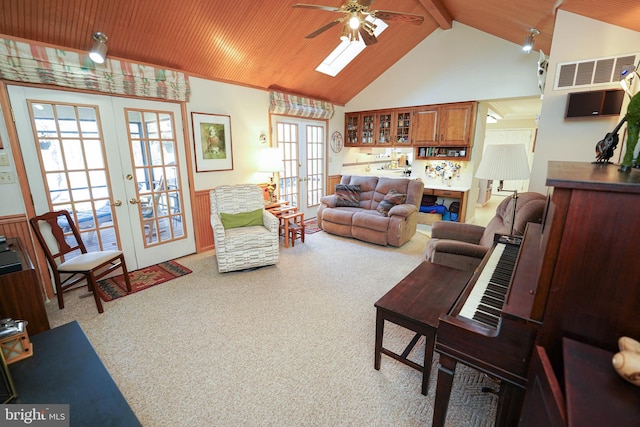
154	157
287	137
315	164
71	154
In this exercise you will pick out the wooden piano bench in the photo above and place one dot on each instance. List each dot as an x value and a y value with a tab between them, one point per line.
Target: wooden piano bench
416	303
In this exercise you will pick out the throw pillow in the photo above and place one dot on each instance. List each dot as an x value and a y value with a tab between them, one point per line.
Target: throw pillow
242	219
390	200
347	196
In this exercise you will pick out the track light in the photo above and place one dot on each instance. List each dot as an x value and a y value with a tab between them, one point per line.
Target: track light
528	41
98	52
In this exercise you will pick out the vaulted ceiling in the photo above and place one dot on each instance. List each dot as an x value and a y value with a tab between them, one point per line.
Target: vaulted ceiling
262	44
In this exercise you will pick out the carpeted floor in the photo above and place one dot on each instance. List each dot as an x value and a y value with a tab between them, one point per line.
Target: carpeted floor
285	345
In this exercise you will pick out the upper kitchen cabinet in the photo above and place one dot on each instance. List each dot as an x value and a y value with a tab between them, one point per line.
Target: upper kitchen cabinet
360	129
379	128
449	125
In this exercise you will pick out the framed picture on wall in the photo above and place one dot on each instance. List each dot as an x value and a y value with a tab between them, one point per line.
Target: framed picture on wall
212	140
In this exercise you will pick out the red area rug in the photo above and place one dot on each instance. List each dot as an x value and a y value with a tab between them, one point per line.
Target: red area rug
311	226
114	287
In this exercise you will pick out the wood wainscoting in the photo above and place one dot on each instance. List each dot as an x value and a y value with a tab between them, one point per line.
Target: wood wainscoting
18	226
201	207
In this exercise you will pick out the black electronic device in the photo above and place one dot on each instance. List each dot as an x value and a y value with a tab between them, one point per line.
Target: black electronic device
9	262
594	103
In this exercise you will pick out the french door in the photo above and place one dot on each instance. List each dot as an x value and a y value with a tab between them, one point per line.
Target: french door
116	164
302	144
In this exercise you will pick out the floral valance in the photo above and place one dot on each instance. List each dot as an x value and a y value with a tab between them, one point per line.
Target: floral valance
282	103
29	62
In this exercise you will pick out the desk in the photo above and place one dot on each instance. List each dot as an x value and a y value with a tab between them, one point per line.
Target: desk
65	369
416	303
21	294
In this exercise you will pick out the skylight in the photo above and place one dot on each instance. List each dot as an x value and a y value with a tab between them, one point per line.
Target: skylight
347	51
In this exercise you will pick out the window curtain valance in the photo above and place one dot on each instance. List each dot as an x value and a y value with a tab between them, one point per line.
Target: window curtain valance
36	63
282	103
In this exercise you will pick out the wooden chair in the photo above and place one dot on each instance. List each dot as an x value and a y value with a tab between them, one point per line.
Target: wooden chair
68	256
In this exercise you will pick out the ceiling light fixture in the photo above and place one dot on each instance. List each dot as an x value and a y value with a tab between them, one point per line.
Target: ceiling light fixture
529	40
354	21
98	52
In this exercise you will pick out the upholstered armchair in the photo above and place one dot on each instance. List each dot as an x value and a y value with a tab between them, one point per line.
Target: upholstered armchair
463	246
245	234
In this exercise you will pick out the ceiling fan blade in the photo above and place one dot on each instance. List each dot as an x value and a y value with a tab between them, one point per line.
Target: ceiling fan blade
315	6
387	15
324	28
367	38
366	3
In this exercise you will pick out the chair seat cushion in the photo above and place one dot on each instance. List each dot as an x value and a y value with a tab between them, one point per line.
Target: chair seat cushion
245	238
85	262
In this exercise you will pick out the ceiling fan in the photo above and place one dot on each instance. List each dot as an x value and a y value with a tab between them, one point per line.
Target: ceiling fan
358	20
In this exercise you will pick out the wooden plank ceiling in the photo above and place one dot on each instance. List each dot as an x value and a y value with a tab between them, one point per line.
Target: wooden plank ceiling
262	44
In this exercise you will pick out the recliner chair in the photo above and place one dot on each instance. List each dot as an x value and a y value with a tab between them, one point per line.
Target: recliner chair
463	246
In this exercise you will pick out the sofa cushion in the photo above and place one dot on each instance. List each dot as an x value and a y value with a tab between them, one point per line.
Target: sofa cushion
241	219
347	196
371	220
367	188
392	198
339	215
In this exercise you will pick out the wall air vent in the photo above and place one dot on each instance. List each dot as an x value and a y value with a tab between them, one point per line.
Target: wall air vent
601	71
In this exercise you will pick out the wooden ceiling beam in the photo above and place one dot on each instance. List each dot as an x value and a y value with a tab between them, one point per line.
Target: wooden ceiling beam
437	10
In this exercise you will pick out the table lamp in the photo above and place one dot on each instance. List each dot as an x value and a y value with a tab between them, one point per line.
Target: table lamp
270	162
504	162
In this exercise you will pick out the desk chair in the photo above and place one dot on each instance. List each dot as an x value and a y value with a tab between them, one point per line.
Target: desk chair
67	255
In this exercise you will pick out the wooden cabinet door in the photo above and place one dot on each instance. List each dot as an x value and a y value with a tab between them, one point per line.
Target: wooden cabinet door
368	129
455	125
385	128
402	127
352	129
425	126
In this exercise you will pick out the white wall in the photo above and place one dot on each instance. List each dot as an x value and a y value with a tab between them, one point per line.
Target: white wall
460	64
575	38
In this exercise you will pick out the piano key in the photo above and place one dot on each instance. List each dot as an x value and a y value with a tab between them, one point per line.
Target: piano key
485	301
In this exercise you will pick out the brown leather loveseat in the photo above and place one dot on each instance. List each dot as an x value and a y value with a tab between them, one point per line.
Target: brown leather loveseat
377	210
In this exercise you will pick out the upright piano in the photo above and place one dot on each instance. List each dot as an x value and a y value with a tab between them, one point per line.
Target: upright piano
574	276
490	327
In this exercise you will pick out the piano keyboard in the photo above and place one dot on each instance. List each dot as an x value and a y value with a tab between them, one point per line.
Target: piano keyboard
484	303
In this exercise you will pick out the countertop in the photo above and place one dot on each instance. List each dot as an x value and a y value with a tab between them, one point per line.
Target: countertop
432	183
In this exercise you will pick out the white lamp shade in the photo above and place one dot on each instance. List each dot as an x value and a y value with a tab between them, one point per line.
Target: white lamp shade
504	162
270	160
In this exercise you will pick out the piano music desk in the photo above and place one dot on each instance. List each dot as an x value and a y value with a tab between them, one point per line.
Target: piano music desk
416	303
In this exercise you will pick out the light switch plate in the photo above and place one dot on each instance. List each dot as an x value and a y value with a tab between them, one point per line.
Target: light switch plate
4	159
7	178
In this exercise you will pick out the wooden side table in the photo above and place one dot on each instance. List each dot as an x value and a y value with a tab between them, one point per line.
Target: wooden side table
293	228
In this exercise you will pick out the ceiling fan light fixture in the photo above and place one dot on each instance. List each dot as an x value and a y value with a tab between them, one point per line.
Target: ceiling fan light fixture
346	33
98	52
354	22
529	41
